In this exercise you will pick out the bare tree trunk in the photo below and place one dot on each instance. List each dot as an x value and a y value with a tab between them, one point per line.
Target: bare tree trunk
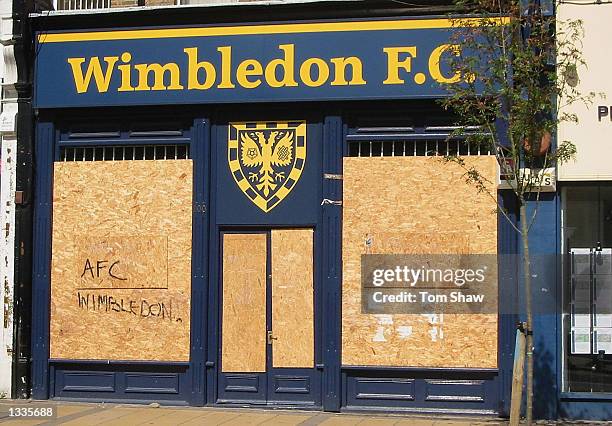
529	323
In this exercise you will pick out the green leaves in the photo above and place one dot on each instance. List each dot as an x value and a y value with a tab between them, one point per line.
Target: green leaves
524	77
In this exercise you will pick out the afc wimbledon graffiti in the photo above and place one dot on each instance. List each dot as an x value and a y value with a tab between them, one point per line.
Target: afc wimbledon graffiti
127	265
128	262
281	62
144	308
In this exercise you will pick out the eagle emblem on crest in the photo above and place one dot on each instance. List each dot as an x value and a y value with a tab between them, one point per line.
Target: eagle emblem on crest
266	159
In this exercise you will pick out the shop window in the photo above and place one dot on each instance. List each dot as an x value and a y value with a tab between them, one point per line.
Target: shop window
392	206
587	292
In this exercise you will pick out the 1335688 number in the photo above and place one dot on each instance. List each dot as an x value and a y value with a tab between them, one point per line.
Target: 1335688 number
31	411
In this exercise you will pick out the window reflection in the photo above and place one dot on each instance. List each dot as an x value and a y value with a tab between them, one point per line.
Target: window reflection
587	295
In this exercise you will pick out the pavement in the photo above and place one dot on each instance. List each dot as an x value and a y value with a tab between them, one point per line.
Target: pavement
78	414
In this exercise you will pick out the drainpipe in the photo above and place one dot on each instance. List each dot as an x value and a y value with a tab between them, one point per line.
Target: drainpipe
22	125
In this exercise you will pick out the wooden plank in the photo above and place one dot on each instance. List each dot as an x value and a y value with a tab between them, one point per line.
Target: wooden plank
414	205
517	378
138	213
292	298
244	303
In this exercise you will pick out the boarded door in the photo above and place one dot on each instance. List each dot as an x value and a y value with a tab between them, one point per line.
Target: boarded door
267	350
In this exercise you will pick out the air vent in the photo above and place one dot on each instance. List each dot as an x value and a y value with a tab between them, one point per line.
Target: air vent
413	148
125	152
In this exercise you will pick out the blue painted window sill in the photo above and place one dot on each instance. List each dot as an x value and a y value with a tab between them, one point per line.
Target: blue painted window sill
585	396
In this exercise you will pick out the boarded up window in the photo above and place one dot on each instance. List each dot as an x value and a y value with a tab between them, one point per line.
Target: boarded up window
121	260
414	205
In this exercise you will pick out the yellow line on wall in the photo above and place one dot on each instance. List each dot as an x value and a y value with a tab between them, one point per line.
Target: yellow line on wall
407	24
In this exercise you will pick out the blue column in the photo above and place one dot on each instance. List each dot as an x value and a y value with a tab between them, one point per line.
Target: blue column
546	300
41	265
200	147
333	140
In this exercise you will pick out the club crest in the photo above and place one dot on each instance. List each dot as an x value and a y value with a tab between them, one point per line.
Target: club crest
266	159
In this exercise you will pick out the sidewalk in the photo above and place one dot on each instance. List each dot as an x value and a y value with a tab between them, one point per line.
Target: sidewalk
73	413
85	414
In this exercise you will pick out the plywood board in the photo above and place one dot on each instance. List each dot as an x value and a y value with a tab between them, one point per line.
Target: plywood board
244	303
121	262
138	213
292	298
415	205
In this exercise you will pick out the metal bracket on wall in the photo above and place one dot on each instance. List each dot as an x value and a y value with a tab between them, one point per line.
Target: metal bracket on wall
199	207
20	197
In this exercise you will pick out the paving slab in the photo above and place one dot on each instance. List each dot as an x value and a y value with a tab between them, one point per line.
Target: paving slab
69	410
342	420
135	416
248	419
378	421
174	417
418	421
25	422
102	415
287	420
213	418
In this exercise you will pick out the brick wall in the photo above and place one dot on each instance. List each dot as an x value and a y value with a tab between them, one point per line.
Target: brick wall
124	3
160	2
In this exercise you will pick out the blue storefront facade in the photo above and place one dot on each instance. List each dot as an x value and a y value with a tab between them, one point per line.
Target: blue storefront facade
195	187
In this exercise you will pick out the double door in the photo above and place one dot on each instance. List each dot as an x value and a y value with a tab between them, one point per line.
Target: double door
267	350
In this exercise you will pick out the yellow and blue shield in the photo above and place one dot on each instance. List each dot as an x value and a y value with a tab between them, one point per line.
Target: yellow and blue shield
266	159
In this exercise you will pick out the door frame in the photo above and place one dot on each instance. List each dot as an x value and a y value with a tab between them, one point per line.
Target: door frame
268	377
327	247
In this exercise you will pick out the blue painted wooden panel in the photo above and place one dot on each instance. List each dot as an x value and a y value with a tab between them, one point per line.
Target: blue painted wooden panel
294	386
241	388
138	382
291	384
241	383
454	390
383	388
421	390
86	381
152	383
588	407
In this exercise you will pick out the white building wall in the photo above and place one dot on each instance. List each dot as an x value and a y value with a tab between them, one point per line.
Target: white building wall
8	153
592	135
